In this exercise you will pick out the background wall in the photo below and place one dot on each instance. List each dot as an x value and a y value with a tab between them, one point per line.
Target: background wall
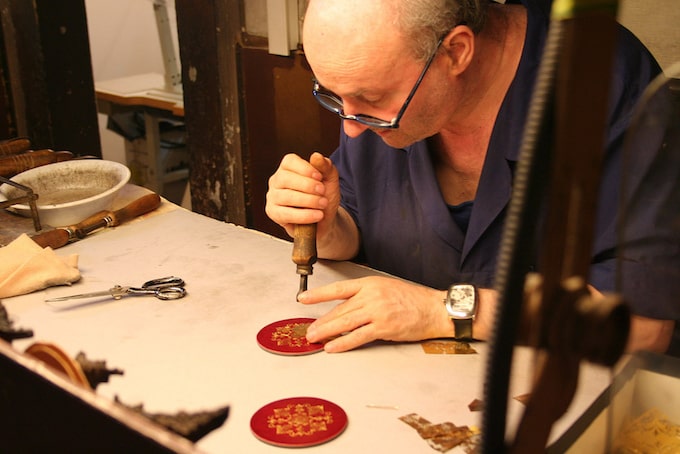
657	24
124	42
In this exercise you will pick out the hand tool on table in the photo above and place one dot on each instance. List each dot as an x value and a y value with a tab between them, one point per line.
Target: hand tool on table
304	252
165	288
15	145
13	164
63	235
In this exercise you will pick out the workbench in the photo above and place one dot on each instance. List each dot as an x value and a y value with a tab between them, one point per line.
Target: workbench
148	95
200	352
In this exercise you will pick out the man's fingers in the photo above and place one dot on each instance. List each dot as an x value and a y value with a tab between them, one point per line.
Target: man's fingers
342	339
296	164
286	215
356	338
295	199
340	290
320	162
287	179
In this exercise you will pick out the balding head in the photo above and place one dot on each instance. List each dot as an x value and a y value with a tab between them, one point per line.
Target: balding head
348	32
346	40
424	22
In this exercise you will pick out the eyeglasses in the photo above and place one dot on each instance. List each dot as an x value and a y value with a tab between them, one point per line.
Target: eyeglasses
334	103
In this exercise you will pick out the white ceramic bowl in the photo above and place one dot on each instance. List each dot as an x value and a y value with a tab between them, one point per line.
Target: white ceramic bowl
69	191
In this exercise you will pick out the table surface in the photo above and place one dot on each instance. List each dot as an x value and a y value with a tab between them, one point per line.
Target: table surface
200	352
141	90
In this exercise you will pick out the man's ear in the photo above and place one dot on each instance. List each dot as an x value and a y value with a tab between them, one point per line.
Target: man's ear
459	45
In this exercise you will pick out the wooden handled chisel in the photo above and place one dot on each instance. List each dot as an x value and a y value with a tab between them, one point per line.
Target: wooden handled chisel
63	235
304	252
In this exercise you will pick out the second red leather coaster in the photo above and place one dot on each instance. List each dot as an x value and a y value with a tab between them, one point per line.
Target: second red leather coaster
298	422
288	337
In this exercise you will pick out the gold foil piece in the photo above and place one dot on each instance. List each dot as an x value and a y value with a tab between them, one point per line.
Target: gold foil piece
292	334
447	347
523	398
652	431
445	436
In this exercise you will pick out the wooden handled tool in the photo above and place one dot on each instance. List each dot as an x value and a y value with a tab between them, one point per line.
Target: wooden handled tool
61	236
14	146
103	219
304	252
13	164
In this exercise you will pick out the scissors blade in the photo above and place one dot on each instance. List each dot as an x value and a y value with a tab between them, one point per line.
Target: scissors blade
109	292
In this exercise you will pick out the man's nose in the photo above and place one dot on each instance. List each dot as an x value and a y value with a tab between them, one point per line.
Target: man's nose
353	128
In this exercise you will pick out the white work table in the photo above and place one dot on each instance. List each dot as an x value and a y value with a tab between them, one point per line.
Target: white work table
200	352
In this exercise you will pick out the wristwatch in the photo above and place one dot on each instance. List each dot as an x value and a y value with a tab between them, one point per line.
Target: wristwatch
461	304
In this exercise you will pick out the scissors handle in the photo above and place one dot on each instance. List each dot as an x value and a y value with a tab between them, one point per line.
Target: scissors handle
162	293
169	281
170	293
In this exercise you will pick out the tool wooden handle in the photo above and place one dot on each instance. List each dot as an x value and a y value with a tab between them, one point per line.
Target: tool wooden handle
14	164
60	237
54	238
102	219
14	146
304	244
139	207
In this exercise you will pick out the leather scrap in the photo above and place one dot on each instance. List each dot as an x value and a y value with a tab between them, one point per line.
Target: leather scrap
444	436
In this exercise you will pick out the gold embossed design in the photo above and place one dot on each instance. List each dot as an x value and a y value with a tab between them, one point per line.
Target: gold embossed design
291	334
299	420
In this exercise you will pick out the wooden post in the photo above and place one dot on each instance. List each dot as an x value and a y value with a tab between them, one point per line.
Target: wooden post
208	41
48	79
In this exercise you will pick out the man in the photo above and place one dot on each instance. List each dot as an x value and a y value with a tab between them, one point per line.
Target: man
423	196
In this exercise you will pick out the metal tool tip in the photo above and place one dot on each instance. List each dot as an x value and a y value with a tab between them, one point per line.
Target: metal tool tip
303	285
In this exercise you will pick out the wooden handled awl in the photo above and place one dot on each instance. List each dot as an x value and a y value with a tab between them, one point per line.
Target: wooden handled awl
304	252
61	236
130	211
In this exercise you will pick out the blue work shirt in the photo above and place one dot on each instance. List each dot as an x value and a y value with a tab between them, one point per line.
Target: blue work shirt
405	225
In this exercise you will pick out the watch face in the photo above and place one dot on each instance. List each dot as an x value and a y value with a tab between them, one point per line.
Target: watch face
461	301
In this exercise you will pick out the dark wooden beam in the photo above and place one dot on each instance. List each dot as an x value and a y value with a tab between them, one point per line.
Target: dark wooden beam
24	70
68	75
209	33
47	75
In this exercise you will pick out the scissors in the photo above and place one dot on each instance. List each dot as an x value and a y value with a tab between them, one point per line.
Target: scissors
165	288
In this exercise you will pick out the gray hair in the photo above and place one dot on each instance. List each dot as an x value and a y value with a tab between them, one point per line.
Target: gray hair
427	21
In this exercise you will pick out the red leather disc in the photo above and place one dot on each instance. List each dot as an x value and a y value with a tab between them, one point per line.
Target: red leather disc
298	422
288	337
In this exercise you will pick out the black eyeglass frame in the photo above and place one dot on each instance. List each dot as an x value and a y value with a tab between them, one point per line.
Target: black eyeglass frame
332	102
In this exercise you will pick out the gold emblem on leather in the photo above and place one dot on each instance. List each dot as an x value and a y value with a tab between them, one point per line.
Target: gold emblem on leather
298	420
292	334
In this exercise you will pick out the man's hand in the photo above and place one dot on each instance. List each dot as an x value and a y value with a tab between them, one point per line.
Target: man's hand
377	308
302	192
